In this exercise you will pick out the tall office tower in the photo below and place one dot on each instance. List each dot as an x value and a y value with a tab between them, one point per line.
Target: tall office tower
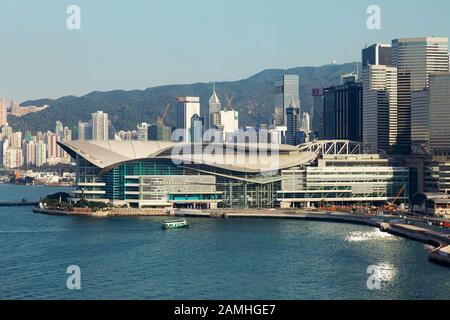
142	131
100	128
306	122
40	154
293	124
3	113
317	112
286	94
30	154
187	108
377	54
81	130
229	123
342	116
439	113
59	129
15	107
214	108
278	117
420	122
380	107
196	133
415	59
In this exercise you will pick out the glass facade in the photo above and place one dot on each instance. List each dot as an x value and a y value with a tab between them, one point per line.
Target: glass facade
132	182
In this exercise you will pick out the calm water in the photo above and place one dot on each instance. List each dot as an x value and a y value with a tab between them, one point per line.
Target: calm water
132	258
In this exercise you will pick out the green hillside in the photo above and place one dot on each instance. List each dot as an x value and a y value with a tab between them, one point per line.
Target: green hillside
253	98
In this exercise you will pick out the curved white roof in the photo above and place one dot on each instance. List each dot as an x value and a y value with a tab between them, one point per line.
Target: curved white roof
235	157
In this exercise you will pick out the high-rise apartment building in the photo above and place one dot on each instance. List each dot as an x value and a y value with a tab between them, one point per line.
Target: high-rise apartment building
40	154
187	108
53	150
380	107
100	130
3	113
16	140
286	94
30	154
15	107
59	129
415	59
142	131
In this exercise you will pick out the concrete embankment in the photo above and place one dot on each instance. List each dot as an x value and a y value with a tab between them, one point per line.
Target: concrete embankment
104	214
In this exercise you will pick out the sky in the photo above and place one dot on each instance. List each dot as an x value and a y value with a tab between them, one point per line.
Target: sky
137	44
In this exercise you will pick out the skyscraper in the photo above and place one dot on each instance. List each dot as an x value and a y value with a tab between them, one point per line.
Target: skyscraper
293	124
286	94
377	54
196	133
214	108
439	113
3	113
415	59
40	154
306	122
187	108
380	106
100	126
15	107
59	129
30	154
159	132
229	123
342	116
81	130
317	112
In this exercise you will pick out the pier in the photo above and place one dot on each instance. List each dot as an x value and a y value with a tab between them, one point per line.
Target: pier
18	204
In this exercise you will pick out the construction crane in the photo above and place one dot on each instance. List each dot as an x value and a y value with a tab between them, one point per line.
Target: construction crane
160	119
398	195
229	103
391	205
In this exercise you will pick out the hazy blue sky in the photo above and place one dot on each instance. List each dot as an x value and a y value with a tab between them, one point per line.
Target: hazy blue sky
137	44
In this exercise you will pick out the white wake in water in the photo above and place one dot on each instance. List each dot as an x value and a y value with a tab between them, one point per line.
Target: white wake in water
376	234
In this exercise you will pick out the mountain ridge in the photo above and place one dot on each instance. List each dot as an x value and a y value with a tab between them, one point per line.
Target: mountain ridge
253	98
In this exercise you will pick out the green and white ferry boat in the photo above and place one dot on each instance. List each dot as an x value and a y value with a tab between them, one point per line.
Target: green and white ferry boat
175	224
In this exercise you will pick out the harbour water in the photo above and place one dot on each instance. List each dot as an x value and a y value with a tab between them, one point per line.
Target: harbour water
133	258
